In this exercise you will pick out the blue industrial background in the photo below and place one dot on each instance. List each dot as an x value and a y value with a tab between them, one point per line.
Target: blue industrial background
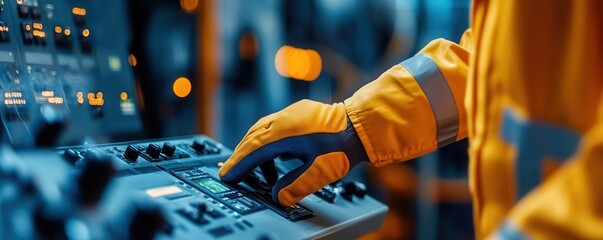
356	39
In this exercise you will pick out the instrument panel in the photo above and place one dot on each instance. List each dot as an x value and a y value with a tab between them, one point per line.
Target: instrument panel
67	61
181	174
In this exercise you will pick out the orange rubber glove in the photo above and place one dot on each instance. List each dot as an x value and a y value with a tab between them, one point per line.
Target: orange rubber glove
321	135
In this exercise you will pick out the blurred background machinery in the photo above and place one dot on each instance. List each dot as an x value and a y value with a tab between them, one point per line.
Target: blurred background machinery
256	57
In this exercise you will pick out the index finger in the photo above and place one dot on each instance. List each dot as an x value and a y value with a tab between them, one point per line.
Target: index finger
249	154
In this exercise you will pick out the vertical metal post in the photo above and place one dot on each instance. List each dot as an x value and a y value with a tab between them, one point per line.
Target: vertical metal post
208	60
427	215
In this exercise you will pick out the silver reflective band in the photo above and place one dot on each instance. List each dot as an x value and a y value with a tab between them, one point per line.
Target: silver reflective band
510	231
436	89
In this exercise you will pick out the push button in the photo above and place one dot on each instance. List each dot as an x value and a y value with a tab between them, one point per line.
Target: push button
27	33
23	11
220	231
198	146
36	14
4	36
192	216
71	156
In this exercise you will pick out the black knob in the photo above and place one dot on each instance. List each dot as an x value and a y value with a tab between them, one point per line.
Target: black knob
269	171
253	181
94	178
89	154
148	219
23	11
71	156
131	153
198	146
211	148
201	209
353	188
50	126
153	150
49	222
359	189
35	13
347	192
168	149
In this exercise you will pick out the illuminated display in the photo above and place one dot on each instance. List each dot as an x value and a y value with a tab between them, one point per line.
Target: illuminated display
80	97
14	98
37	25
55	100
78	11
13	94
15	102
163	191
47	93
39	33
58	29
126	104
95	100
211	185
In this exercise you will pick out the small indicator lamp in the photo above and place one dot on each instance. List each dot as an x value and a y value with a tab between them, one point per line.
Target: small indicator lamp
182	87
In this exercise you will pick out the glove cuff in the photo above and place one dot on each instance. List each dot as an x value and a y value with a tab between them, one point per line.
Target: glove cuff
354	149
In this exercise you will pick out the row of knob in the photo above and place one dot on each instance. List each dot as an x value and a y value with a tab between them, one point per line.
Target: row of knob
154	151
132	153
346	190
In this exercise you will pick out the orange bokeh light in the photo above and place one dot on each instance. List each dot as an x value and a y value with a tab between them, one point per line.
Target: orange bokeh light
182	87
189	5
86	32
248	46
132	60
296	63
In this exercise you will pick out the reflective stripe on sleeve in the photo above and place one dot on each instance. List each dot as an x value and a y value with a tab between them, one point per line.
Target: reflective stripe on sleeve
508	231
535	142
439	95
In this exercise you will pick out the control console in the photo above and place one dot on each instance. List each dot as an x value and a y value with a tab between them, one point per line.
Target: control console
68	59
180	174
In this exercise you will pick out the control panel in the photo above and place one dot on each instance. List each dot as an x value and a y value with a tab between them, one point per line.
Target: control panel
180	174
67	61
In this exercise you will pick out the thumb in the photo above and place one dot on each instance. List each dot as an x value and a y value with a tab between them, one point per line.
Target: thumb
310	177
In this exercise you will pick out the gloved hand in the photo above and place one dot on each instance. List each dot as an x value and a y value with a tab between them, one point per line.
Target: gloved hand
320	135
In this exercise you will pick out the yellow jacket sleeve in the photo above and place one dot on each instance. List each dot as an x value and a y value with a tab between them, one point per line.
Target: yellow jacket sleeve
568	205
416	106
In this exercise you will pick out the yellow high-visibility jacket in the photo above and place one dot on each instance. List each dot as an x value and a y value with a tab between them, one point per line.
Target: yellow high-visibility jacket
525	85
